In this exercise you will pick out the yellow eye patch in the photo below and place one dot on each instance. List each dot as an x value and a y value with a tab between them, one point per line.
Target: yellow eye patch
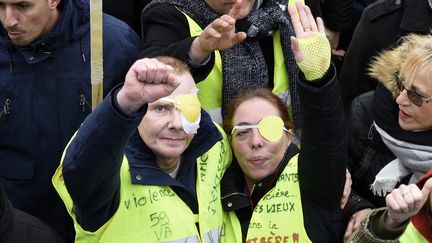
189	105
270	128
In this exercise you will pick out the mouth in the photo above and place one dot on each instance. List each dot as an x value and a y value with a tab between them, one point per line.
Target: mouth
403	115
257	160
173	140
14	35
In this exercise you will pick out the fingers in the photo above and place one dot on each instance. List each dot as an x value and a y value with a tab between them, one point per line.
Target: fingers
236	9
320	25
219	26
295	46
349	230
295	19
347	190
405	200
303	21
310	18
152	71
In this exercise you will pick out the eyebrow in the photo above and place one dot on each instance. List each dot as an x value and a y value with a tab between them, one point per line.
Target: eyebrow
243	123
415	88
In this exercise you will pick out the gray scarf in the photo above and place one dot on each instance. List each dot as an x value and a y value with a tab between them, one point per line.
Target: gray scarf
244	64
410	158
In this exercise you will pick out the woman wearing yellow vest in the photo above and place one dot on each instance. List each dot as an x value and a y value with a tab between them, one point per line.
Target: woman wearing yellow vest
147	163
407	217
274	191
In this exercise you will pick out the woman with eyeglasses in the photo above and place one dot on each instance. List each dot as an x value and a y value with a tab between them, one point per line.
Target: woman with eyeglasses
275	191
390	139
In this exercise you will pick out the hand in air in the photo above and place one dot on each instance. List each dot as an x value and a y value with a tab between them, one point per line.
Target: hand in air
146	81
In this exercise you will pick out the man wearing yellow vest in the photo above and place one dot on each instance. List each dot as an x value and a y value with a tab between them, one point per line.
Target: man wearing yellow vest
146	164
407	217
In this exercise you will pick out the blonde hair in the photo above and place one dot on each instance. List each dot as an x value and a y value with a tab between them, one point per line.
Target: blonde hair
411	56
418	60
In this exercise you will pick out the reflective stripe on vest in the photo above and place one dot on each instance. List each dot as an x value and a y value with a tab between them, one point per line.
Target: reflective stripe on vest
269	222
411	235
149	213
210	89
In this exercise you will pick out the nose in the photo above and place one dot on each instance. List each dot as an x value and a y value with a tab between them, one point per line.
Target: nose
175	121
10	18
256	141
402	98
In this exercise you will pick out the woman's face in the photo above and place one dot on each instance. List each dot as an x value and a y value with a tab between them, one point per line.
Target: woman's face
257	156
224	6
412	117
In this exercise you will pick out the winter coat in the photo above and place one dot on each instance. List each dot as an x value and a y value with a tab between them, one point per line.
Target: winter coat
380	27
45	94
17	226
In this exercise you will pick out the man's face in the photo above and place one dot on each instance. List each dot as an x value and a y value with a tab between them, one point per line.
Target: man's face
161	128
27	20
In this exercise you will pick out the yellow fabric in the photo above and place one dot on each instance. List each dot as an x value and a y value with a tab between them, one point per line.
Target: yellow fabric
278	216
189	105
316	62
411	235
155	213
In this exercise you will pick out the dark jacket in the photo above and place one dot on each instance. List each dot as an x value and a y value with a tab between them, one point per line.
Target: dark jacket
337	15
45	94
380	27
367	153
17	226
98	148
321	165
128	11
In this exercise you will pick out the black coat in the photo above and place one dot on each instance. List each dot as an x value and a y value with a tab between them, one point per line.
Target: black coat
17	226
367	152
129	11
337	14
380	26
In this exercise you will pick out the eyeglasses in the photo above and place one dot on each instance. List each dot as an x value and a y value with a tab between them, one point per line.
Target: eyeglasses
270	128
413	96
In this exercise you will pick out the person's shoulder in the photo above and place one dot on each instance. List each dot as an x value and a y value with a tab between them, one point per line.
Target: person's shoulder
32	228
382	8
163	10
112	23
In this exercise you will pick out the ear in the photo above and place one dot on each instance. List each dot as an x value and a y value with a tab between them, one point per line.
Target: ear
53	4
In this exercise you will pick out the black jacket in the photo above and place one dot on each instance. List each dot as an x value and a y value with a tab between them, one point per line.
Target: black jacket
367	153
129	11
380	27
337	14
321	166
17	226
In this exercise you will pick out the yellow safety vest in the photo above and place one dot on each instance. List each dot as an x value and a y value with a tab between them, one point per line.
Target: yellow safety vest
155	213
411	235
278	216
210	89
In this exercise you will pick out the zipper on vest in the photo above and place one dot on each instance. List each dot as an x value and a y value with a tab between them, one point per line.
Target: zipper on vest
6	108
83	101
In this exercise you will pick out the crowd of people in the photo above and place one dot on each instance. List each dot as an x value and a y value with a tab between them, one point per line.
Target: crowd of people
222	121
